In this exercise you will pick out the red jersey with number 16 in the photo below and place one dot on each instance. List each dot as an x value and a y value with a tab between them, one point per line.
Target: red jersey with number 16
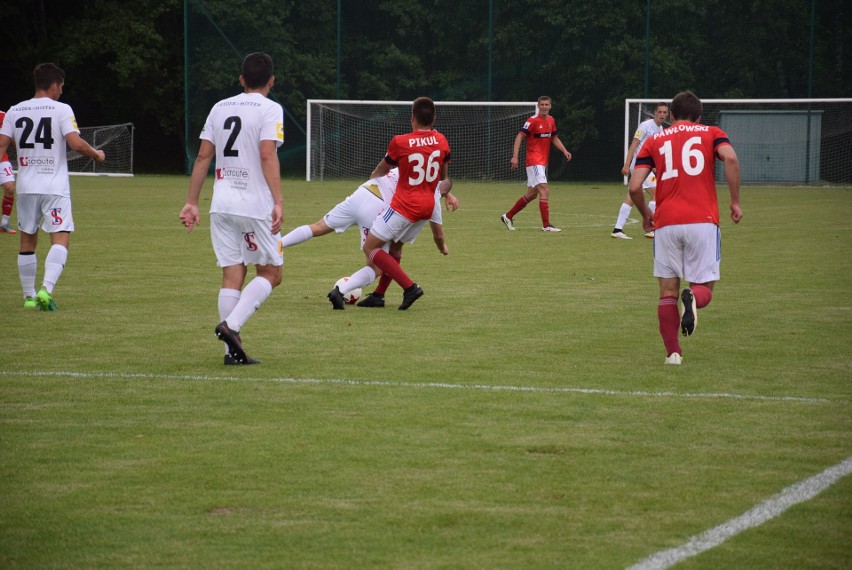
420	156
684	157
539	130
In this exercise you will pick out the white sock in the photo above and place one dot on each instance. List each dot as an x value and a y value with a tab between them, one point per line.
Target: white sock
653	205
228	299
251	298
360	278
623	213
297	236
27	266
54	263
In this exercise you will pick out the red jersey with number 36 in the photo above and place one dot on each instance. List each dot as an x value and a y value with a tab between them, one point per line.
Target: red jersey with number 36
684	157
420	156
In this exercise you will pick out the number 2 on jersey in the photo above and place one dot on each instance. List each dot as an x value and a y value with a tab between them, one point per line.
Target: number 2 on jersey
234	124
430	173
691	159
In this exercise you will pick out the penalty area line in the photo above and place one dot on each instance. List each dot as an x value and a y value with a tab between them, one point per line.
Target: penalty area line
432	385
756	516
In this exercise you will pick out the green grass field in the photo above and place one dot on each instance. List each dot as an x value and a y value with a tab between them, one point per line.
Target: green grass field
519	415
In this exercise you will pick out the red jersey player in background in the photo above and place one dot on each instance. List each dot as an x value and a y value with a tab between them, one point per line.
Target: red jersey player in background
688	242
7	180
423	157
539	131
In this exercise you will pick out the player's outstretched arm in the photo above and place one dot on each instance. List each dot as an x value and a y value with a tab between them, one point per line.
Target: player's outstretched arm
76	143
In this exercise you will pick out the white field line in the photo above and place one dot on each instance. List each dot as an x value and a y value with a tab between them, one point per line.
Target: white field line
756	516
432	385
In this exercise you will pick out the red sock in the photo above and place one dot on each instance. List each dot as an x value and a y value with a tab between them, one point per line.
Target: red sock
669	318
544	208
389	266
385	280
703	295
519	205
8	201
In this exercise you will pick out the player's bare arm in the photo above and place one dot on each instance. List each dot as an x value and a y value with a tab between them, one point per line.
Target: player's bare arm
4	144
439	237
557	142
516	149
625	170
637	194
189	214
727	154
272	174
382	168
76	143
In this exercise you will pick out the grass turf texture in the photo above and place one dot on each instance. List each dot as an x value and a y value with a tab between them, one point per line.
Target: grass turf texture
377	438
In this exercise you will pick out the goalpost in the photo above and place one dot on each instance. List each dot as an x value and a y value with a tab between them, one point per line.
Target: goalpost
115	140
347	139
778	141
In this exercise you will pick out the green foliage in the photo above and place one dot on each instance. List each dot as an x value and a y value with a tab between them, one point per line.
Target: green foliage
519	415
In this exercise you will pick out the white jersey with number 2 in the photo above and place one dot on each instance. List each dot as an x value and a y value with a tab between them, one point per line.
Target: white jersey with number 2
236	126
39	127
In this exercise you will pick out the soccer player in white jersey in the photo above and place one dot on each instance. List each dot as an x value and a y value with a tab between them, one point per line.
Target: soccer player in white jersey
361	208
646	129
41	127
243	133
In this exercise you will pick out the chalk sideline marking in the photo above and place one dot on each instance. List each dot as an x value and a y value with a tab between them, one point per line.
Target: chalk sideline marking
441	385
756	516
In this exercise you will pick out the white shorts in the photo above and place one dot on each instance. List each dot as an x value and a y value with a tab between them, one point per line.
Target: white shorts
53	212
361	208
248	241
536	175
393	226
6	173
689	251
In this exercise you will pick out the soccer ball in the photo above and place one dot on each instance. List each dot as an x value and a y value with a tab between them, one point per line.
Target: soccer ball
352	296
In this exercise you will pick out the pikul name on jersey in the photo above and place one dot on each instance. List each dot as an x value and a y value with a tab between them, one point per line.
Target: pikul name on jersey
423	141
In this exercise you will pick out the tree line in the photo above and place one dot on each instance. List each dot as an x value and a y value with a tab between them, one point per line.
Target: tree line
150	60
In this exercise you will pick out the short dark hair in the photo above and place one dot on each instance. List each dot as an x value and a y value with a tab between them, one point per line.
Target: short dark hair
257	69
661	104
686	106
543	98
46	74
423	111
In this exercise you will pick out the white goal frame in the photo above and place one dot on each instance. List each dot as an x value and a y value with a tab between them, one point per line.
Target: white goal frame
630	125
529	108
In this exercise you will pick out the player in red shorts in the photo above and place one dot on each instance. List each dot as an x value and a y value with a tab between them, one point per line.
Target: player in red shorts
688	242
7	181
423	157
539	131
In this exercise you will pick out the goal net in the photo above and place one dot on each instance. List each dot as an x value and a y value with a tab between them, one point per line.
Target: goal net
347	139
117	143
778	141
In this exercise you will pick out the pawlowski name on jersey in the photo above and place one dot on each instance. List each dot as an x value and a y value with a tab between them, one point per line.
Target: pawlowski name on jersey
236	126
39	127
684	157
539	130
420	156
